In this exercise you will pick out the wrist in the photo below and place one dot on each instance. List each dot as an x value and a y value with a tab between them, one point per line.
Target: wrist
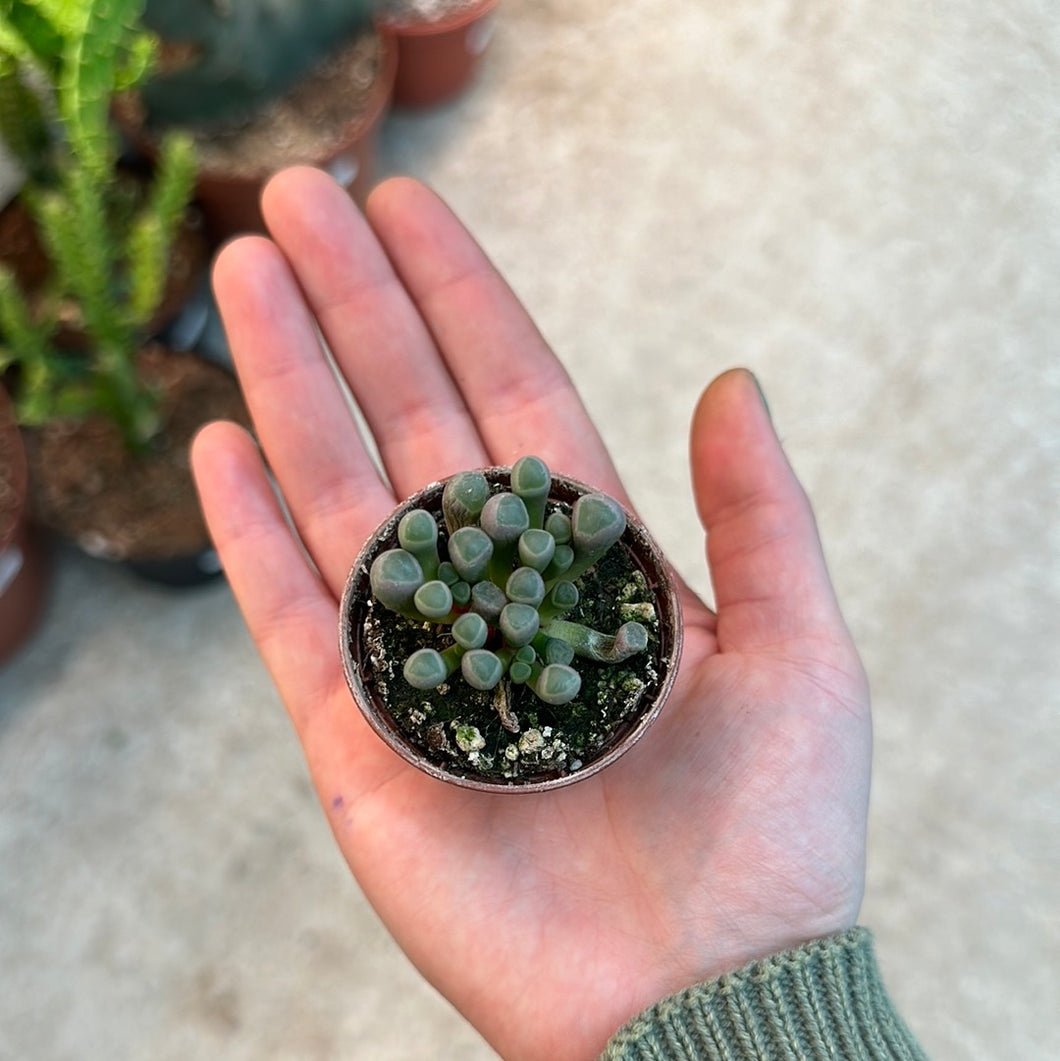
825	998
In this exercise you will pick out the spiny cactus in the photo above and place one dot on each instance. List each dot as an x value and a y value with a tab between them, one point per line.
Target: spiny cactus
109	255
501	583
240	54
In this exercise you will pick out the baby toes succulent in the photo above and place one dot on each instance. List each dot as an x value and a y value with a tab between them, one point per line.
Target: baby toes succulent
498	582
510	629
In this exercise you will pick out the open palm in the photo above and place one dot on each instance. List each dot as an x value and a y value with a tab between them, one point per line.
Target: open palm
734	829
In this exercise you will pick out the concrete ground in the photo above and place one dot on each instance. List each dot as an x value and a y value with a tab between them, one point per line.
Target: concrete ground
860	201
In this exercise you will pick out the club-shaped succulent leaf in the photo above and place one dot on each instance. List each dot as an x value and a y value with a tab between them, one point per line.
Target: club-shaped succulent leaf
525	586
488	600
556	684
395	575
552	649
519	672
470	550
433	600
531	481
519	623
561	598
426	668
418	534
562	561
503	518
558	525
597	522
536	548
470	630
481	668
462	499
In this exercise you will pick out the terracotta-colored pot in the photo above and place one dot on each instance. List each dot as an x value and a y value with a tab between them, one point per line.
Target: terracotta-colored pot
367	678
437	58
230	198
23	557
138	509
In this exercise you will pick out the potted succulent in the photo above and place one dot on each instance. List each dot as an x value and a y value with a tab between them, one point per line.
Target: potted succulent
263	84
36	39
510	630
107	427
23	567
440	44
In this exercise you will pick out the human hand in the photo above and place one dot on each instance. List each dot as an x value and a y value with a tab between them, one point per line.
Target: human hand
733	830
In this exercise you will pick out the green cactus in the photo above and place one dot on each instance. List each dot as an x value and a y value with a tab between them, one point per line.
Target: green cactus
109	252
512	626
240	54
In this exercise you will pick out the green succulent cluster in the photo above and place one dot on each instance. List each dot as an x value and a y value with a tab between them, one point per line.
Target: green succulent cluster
501	583
109	251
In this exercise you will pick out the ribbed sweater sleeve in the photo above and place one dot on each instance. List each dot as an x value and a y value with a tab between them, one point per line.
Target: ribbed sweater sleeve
823	1001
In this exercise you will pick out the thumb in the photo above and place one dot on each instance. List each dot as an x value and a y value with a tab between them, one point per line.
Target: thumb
771	586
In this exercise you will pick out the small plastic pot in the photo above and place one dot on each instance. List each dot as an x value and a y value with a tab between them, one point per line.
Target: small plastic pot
438	58
367	684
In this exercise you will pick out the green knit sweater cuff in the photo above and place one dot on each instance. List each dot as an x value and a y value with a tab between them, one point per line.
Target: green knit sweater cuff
823	1000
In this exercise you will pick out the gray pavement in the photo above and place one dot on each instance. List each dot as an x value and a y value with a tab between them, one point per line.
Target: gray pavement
859	201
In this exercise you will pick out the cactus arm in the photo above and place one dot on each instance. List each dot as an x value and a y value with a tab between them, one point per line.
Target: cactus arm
88	81
151	237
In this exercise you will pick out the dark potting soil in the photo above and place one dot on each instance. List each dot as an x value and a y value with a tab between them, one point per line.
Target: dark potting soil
90	489
461	729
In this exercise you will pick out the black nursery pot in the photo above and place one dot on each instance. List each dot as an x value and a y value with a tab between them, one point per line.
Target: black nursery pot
368	634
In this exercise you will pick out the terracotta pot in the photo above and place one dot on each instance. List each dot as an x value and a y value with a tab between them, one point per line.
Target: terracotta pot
437	58
23	559
140	510
367	681
229	195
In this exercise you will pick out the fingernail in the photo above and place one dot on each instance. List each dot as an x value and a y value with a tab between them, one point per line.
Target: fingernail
762	395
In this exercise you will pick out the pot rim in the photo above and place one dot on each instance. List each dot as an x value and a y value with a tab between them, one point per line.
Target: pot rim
647	555
410	26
